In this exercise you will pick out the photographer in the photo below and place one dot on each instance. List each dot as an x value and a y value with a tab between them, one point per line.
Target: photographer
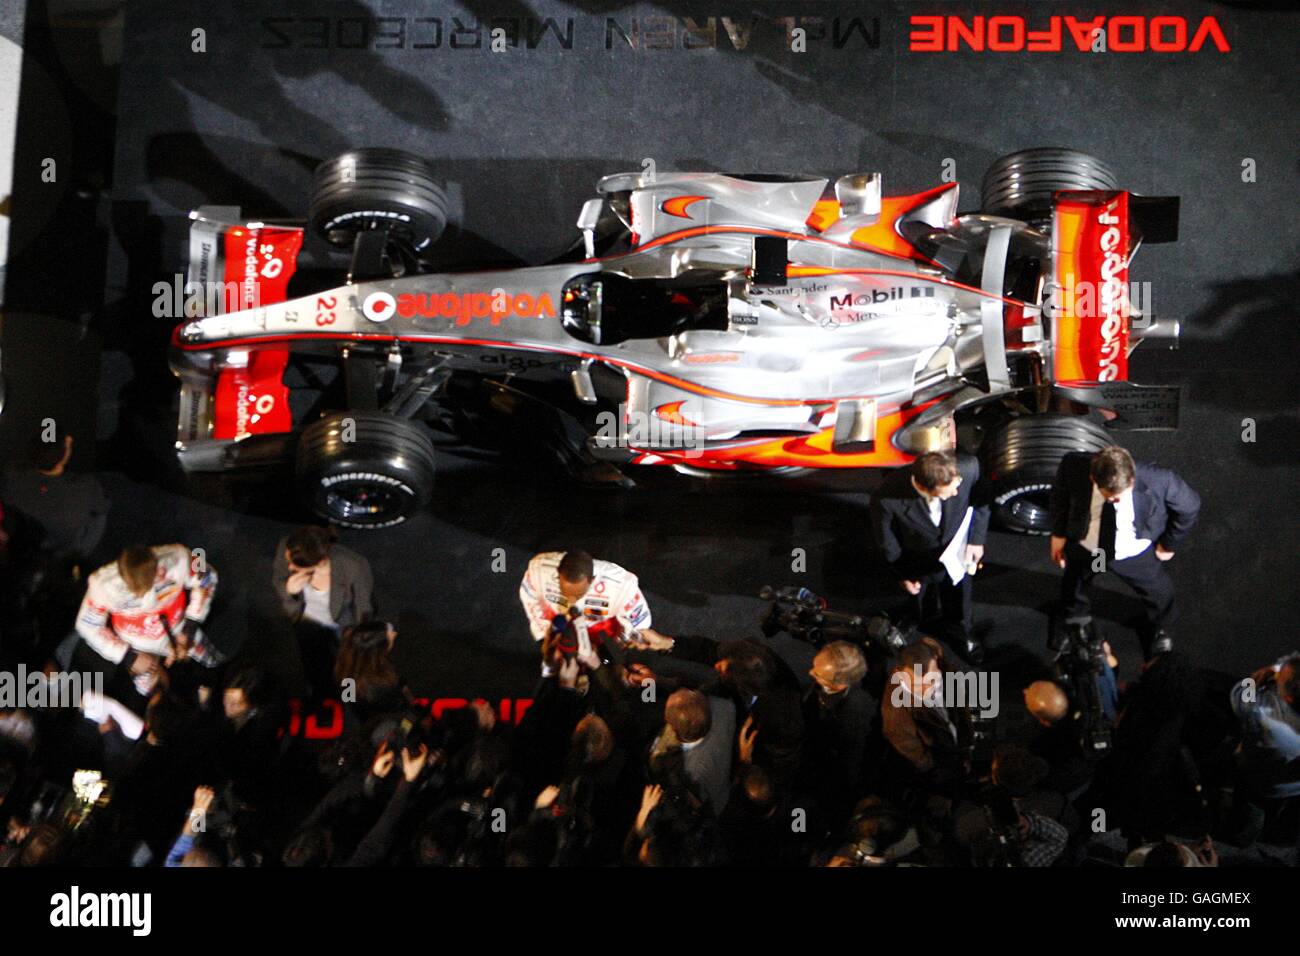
877	835
1267	706
1049	734
763	688
672	833
248	737
837	716
1171	854
316	844
1267	760
1000	828
1084	668
1153	777
695	746
542	738
187	851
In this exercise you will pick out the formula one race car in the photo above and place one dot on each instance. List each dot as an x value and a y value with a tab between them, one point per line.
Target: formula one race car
715	325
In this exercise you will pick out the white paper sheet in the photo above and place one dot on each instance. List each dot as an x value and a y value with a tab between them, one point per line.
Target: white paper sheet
953	558
97	707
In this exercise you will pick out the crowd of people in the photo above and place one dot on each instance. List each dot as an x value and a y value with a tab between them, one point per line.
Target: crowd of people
639	748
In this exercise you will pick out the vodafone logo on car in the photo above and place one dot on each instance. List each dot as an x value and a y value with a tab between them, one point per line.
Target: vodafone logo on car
249	409
463	307
379	307
1111	295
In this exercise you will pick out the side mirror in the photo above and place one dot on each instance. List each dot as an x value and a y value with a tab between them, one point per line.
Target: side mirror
587	220
859	196
583	387
768	261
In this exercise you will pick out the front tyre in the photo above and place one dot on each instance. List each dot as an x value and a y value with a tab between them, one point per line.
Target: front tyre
377	189
365	469
1020	459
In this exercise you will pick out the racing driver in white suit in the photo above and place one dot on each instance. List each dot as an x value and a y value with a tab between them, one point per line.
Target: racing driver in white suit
144	611
608	596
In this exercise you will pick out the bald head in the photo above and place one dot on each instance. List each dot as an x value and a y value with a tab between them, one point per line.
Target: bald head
1046	701
838	666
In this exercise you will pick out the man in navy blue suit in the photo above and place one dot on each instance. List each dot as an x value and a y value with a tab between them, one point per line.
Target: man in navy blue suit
1110	513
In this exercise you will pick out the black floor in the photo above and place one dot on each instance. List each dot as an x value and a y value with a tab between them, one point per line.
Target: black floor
523	135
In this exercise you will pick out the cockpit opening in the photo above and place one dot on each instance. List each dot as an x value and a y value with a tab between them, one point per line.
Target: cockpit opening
605	308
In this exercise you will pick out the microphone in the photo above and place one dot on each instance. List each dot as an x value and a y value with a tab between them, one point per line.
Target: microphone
565	637
578	629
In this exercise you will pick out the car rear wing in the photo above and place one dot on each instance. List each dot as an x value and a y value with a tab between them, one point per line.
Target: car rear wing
1090	302
1094	237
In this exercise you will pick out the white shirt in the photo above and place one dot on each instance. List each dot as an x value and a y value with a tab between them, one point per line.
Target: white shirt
934	504
316	606
1127	543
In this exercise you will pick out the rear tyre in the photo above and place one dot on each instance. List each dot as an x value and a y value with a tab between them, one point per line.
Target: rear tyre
1021	184
1020	461
365	469
376	188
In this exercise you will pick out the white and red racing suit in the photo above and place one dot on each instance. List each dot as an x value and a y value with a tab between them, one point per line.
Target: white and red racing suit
613	604
119	624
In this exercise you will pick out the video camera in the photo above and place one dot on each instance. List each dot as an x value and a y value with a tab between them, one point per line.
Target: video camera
409	731
805	616
999	844
877	835
1081	665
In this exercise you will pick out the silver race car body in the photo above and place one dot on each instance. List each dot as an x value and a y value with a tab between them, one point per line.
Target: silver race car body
756	322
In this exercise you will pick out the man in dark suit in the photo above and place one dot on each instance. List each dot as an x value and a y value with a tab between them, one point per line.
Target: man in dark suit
915	514
838	716
929	732
1110	513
